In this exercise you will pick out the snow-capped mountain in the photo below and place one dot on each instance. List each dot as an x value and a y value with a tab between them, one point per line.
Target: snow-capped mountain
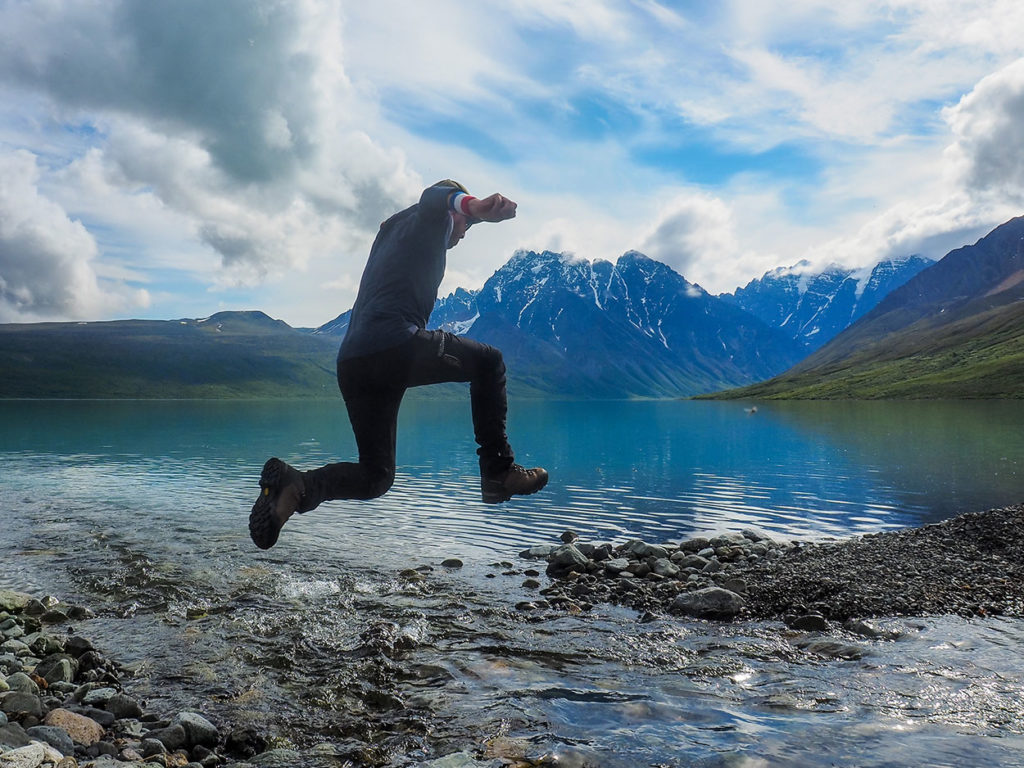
814	307
634	328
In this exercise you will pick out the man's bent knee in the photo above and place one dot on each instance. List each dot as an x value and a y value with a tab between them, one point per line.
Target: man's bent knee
377	483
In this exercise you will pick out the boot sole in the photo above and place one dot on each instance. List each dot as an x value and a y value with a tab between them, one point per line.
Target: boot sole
264	528
499	497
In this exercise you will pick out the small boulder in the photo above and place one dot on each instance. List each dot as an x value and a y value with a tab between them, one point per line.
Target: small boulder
13	736
172	737
664	567
22	683
18	705
709	603
616	565
198	730
56	737
13	602
80	728
60	671
123	707
809	622
641	549
566	559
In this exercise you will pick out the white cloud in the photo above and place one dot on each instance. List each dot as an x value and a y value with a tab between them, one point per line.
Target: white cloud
46	259
988	126
692	229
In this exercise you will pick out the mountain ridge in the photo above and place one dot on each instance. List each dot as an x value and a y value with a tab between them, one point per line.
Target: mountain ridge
954	330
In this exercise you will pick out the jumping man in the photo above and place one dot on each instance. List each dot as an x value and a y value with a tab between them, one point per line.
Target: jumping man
387	349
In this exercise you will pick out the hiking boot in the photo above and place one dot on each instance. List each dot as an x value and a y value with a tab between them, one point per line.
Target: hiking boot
281	491
514	481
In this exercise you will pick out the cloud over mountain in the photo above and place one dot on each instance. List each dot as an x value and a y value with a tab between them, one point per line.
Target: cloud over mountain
988	124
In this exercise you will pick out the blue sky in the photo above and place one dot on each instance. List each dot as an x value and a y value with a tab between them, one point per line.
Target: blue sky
174	158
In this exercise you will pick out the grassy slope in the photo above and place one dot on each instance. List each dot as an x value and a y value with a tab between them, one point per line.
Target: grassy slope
980	355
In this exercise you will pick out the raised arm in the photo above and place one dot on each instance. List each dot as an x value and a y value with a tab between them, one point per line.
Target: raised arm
493	208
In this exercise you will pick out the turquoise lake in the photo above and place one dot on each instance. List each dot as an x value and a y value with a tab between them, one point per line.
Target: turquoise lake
138	509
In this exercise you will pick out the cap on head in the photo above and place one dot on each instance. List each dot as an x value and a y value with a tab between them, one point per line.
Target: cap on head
452	184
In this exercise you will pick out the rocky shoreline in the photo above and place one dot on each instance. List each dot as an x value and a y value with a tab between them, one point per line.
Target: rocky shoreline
64	705
968	566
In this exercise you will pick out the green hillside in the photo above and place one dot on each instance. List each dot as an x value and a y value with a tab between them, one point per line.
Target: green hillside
229	355
980	355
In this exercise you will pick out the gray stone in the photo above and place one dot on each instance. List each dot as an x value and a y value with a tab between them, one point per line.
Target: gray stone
22	683
44	645
56	737
130	728
692	561
639	569
13	602
61	672
664	567
9	623
104	761
172	737
76	645
870	629
616	565
98	697
565	559
462	760
55	616
21	704
641	549
123	706
35	608
709	603
713	566
739	586
198	730
152	747
101	716
13	736
811	622
729	540
14	647
706	552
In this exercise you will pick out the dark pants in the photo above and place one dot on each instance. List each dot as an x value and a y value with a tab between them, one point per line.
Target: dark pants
373	387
